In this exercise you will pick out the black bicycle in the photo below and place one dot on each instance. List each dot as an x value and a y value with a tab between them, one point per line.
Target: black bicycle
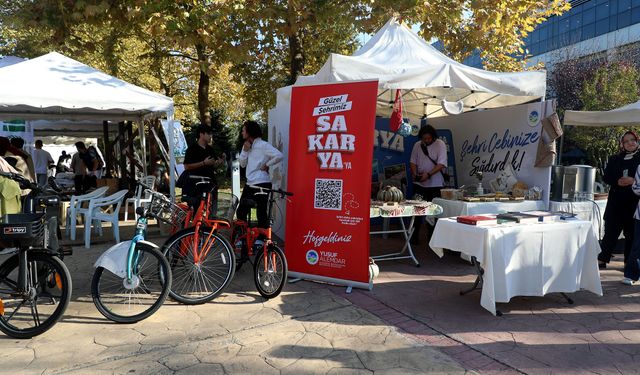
35	285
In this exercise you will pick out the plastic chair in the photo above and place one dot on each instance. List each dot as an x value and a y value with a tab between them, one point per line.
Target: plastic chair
98	211
137	199
75	208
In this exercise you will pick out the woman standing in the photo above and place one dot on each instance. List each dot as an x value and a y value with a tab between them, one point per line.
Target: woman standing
621	205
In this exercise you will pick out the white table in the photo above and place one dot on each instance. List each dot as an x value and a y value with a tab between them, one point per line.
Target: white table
526	260
592	211
452	208
407	230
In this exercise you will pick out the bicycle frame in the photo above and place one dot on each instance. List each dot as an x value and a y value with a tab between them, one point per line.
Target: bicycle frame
251	234
132	255
200	218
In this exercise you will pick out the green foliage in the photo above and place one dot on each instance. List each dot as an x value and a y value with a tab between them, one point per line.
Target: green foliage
610	86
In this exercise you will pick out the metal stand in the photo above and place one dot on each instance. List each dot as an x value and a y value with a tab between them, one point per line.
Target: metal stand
406	232
479	273
479	279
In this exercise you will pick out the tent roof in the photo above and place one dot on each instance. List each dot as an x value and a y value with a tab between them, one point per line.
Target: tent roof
400	59
55	86
623	116
10	60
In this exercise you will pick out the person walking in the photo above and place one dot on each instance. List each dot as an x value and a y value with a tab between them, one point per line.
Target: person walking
42	160
622	202
427	164
257	156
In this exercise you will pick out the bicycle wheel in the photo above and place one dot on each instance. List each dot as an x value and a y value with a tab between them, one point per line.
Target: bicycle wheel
201	269
48	294
239	243
270	278
125	301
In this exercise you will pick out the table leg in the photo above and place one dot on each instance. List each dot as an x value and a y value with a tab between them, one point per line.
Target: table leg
479	273
406	232
569	300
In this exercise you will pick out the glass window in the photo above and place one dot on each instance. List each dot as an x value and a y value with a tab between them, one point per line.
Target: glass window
589	4
624	5
613	23
635	15
613	7
576	21
602	11
543	33
589	16
602	27
588	31
534	37
575	35
565	26
624	19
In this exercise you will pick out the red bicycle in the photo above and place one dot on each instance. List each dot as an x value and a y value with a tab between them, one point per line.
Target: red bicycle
202	261
270	263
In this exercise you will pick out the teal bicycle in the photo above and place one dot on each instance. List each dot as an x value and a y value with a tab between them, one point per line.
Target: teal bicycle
132	279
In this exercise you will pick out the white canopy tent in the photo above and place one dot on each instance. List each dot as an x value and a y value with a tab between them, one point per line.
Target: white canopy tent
400	59
624	116
55	87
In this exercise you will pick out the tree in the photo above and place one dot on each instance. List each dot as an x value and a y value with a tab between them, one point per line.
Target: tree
497	28
611	86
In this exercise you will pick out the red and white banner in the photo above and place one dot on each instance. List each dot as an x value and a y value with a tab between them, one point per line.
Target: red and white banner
329	171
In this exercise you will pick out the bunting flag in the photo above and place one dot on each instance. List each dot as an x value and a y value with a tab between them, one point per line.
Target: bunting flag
396	116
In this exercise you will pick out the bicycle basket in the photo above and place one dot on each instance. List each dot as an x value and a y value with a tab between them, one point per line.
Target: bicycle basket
166	211
223	206
22	230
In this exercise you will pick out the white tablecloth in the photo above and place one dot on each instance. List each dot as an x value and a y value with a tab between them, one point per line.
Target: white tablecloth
526	260
456	208
587	210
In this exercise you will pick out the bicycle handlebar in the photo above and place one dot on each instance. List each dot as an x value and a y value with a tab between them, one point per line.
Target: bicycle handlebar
264	190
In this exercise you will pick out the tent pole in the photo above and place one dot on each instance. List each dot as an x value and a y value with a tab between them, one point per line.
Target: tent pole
172	155
107	148
143	146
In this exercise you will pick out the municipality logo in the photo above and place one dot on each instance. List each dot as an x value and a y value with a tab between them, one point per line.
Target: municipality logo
533	118
312	257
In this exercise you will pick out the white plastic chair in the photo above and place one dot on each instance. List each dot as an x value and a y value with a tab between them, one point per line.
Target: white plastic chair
98	211
137	199
75	208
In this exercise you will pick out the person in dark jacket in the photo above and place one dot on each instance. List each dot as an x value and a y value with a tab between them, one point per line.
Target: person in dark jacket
622	202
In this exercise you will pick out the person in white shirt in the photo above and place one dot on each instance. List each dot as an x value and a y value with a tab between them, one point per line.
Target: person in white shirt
257	157
427	163
41	160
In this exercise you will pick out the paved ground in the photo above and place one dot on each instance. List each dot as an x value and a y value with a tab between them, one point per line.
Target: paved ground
413	322
536	335
309	329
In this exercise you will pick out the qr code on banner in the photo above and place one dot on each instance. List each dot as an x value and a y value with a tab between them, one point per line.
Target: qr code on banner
328	194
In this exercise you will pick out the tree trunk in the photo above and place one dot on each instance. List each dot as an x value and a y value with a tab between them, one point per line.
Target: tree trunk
203	85
296	52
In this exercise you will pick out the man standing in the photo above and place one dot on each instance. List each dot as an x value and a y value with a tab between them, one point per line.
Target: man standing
428	160
90	160
42	160
200	159
257	156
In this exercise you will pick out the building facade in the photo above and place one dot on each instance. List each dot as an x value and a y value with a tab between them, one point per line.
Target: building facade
590	27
